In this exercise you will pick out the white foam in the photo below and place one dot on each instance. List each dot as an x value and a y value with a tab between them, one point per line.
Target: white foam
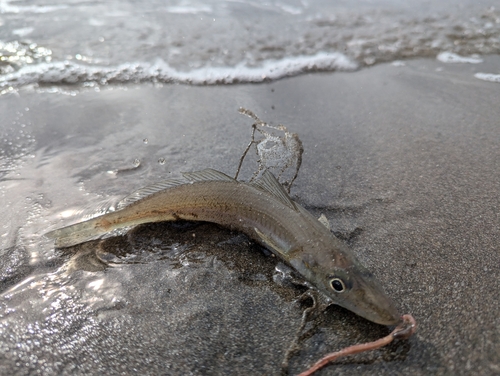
6	7
398	63
186	9
73	73
450	57
488	77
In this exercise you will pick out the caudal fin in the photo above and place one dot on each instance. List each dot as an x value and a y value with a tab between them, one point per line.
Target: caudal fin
76	234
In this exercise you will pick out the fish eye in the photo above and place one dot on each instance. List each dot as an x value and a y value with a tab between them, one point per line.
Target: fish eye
337	284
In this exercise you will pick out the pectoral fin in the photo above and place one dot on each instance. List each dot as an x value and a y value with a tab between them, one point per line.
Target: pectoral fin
322	218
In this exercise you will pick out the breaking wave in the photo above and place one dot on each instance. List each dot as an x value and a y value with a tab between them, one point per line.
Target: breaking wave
73	73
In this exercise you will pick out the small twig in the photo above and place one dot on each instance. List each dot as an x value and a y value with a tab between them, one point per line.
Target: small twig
249	113
295	136
246	151
294	347
402	331
258	122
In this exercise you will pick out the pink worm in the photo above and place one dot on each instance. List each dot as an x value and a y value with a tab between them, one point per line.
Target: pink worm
402	331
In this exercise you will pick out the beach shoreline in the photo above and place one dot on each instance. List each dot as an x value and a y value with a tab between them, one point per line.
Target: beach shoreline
401	158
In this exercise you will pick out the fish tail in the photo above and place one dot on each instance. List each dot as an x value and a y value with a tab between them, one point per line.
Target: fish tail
77	233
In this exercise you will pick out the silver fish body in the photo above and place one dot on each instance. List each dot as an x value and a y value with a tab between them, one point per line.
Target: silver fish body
264	212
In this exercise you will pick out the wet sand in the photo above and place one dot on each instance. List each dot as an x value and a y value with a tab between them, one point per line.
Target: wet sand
403	161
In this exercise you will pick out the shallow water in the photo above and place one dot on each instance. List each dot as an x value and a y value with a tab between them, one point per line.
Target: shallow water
228	41
401	157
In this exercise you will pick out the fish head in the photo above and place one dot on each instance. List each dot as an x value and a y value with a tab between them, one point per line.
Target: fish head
343	279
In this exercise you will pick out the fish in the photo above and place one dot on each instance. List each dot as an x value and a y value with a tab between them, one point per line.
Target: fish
264	211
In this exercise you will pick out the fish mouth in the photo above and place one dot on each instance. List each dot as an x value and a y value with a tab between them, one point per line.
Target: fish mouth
387	317
371	302
385	314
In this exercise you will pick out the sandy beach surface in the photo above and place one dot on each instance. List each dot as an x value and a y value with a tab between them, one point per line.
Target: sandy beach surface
403	159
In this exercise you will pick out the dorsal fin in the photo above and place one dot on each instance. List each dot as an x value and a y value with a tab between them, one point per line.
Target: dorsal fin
203	175
269	183
148	191
206	175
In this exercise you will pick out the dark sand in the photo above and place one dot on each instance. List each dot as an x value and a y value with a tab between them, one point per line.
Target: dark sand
404	162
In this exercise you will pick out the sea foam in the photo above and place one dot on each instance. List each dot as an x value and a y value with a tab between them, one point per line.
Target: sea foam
488	77
69	72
